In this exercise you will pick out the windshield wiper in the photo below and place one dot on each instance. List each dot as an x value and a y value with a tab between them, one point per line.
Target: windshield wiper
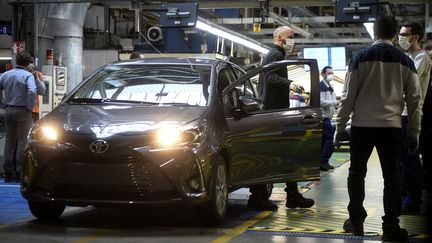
89	100
178	104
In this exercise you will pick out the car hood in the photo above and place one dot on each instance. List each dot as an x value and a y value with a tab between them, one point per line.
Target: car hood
107	120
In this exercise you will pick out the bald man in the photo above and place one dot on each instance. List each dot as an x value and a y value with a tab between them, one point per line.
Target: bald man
274	91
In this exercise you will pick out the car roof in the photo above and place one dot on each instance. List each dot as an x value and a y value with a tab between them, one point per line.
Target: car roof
170	60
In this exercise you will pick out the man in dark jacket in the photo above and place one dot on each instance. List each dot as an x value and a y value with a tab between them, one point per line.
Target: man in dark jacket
379	80
274	90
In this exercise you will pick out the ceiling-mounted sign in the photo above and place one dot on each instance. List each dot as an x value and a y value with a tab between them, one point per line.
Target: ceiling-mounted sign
18	47
4	29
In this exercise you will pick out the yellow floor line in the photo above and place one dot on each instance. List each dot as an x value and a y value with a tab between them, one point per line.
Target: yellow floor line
97	234
242	228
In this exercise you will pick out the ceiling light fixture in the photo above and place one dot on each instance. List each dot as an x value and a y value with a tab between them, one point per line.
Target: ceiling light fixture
369	28
231	35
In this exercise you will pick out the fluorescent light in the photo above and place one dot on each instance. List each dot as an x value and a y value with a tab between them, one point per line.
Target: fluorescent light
5	58
369	28
225	33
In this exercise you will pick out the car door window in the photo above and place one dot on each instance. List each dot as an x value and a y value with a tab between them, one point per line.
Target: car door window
276	144
301	76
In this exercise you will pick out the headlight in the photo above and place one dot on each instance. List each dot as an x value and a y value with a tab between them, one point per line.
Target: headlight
171	136
49	133
43	132
168	136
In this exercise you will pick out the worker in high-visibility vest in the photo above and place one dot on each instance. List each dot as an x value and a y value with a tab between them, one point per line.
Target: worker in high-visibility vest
40	88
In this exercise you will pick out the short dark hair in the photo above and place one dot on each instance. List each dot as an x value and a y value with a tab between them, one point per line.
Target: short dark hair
324	70
23	59
386	27
416	28
135	54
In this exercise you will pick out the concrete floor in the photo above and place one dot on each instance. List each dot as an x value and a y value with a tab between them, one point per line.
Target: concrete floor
321	223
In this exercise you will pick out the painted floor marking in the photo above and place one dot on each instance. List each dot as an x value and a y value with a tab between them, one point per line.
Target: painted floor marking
242	228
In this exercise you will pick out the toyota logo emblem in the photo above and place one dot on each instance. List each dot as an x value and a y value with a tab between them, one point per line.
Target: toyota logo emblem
99	146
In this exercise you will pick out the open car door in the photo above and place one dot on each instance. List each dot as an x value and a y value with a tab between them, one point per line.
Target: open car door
280	145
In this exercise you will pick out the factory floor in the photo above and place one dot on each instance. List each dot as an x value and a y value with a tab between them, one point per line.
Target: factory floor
321	223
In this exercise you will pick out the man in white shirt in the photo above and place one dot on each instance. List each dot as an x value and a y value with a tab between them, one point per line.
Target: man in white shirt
410	36
328	104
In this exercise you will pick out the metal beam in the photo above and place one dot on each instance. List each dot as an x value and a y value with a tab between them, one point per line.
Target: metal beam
341	30
322	40
281	20
221	4
66	1
296	20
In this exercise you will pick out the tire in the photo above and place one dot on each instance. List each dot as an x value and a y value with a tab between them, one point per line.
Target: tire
46	211
214	212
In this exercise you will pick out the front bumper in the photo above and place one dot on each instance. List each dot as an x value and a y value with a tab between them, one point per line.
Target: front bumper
139	176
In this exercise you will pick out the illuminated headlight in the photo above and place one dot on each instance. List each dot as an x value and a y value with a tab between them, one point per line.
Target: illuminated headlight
168	136
39	133
171	136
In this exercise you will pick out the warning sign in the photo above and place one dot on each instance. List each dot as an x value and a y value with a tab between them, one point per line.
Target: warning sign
18	47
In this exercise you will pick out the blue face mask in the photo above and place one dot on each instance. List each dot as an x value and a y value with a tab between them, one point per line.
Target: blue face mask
329	78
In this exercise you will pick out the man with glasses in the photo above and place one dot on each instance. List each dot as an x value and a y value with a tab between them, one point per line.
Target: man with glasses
274	90
410	36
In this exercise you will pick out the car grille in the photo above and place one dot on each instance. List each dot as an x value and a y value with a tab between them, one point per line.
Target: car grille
107	181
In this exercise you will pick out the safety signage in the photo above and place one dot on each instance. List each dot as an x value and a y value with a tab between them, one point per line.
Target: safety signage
18	47
4	29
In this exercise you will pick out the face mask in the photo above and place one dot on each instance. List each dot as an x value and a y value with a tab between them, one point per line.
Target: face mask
329	78
288	46
404	42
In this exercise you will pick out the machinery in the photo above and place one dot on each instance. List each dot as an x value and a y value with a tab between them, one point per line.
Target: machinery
55	78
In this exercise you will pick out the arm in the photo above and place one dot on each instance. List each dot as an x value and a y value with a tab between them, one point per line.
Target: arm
413	100
347	100
31	91
327	102
423	66
277	77
40	85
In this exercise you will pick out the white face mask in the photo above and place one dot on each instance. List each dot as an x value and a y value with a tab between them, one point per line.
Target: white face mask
404	42
329	78
289	45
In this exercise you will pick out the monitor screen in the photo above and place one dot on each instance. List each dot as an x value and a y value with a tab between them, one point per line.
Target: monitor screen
356	11
178	15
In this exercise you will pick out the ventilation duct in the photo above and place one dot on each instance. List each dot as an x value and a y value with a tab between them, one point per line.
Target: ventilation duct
61	28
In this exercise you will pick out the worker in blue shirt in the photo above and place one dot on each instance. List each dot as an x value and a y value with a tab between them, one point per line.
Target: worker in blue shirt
20	90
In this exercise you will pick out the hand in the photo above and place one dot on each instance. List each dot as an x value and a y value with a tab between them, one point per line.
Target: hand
296	88
412	144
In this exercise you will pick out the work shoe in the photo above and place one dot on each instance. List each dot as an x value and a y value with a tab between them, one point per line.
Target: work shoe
353	227
261	204
298	201
394	234
326	166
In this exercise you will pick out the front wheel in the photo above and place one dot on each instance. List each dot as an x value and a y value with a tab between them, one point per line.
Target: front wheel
46	211
214	211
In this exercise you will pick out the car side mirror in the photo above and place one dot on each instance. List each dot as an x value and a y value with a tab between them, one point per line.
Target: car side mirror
249	104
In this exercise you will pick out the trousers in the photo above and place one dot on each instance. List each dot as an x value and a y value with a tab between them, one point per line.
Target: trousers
387	142
18	121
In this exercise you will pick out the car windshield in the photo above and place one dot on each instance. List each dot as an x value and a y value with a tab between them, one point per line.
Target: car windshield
162	84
